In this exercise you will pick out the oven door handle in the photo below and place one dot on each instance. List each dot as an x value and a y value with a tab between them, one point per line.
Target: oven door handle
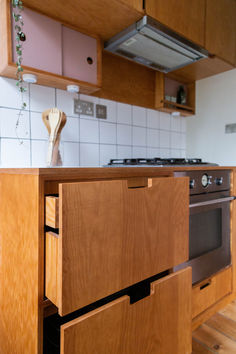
214	201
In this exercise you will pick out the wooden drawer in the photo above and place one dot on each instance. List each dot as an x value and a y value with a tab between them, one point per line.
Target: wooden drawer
211	290
159	323
113	234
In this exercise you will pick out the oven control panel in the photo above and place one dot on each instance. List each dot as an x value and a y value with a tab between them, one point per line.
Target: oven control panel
206	181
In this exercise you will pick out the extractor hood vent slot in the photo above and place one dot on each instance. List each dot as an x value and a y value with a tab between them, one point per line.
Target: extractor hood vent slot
150	43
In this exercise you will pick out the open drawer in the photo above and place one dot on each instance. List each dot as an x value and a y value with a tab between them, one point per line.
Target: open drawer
159	323
113	234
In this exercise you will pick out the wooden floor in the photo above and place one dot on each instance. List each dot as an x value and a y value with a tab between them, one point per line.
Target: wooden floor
218	334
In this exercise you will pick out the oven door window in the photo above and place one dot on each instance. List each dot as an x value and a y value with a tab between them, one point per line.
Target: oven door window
205	232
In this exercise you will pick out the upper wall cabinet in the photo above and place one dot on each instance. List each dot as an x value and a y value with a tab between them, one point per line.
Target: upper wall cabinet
57	54
104	18
221	29
183	16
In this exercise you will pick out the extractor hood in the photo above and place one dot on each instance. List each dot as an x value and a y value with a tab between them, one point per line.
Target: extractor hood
150	43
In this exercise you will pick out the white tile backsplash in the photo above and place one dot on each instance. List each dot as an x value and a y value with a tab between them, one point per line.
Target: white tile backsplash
124	113
124	134
153	119
15	153
9	118
107	133
70	131
128	131
42	98
38	128
139	116
89	131
153	138
10	96
107	152
89	155
139	136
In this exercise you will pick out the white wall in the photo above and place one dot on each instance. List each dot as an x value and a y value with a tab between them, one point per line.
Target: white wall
216	107
129	131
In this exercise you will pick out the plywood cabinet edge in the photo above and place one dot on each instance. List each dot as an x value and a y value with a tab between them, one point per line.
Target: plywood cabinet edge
51	267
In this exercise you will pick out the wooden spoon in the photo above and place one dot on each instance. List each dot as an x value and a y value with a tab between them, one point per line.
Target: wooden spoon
54	120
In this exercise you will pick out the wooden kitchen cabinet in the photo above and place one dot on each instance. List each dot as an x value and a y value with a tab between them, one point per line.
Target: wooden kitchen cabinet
159	323
183	16
50	52
211	290
221	29
114	234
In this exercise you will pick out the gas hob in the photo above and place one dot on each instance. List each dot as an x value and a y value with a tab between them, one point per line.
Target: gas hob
157	162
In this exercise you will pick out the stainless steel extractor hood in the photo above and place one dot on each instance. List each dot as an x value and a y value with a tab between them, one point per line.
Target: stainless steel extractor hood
150	43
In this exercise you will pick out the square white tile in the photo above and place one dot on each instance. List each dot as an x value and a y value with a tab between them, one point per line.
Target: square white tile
165	153
124	152
107	152
14	154
9	119
124	113
38	128
89	155
39	153
139	136
65	102
183	141
164	121
153	152
164	139
70	154
70	132
10	96
183	124
89	131
153	138
124	134
107	133
153	119
175	153
139	116
138	151
175	123
175	140
111	109
41	98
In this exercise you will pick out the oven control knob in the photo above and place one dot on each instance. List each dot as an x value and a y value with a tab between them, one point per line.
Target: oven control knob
219	181
191	183
209	180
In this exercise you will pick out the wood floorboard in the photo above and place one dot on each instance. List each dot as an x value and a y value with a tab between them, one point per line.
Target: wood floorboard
218	334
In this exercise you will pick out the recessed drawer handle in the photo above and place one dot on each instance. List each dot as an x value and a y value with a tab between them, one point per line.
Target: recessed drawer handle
205	285
52	211
139	182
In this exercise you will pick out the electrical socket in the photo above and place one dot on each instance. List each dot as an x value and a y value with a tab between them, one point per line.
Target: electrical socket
101	111
83	107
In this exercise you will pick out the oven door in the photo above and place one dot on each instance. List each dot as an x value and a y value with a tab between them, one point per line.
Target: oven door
209	234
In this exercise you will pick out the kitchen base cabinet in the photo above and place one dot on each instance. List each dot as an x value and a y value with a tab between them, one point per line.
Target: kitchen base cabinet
211	290
113	234
159	323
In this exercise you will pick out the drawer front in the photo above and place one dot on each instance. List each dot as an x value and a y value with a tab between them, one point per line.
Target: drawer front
210	291
113	235
158	324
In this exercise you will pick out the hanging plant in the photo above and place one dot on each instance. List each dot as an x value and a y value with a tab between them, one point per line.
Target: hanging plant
17	8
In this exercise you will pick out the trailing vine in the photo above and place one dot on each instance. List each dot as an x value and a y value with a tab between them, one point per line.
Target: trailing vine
17	8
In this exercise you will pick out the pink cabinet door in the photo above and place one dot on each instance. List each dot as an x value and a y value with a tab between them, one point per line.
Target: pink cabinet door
79	56
43	45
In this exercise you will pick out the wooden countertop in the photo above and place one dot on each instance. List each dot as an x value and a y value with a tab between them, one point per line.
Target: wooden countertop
106	172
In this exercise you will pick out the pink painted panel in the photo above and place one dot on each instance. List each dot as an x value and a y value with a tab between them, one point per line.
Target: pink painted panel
172	86
43	45
76	48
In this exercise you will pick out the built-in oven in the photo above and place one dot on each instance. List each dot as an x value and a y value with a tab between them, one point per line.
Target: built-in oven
209	222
